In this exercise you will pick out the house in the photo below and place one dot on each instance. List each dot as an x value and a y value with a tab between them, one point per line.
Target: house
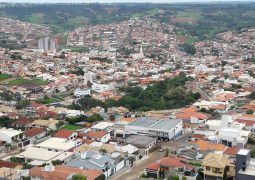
166	167
50	172
233	137
66	134
46	124
37	156
245	165
58	144
100	136
101	126
144	143
34	134
106	163
13	137
215	164
192	115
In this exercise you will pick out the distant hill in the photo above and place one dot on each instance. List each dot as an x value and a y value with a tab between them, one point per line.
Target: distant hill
194	21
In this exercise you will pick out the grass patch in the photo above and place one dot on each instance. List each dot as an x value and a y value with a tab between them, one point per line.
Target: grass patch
22	81
4	77
72	127
195	164
191	39
47	100
192	15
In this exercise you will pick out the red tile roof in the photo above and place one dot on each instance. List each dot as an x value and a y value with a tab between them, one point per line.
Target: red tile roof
95	134
64	133
8	164
33	132
171	161
232	151
62	172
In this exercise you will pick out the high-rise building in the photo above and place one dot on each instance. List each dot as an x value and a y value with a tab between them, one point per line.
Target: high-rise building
48	44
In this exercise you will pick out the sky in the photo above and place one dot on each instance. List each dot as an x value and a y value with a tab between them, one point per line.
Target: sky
111	1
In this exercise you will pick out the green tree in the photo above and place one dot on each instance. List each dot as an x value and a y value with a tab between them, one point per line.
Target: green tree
56	162
252	96
102	151
249	112
95	118
253	153
189	48
79	177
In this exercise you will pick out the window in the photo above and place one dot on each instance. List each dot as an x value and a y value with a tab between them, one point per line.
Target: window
207	168
217	169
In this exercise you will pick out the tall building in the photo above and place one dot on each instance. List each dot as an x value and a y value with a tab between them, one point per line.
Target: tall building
245	165
47	44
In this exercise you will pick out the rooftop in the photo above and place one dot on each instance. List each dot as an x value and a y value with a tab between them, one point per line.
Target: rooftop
144	122
166	124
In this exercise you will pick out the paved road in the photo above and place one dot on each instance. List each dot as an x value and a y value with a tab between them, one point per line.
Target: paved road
134	172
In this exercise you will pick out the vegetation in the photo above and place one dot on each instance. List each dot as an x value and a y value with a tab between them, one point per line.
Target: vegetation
79	177
5	121
4	77
249	112
22	81
189	48
56	162
253	153
252	96
72	127
86	103
167	94
202	21
47	100
195	164
95	118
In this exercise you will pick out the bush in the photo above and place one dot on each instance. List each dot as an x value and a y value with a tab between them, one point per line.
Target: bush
95	118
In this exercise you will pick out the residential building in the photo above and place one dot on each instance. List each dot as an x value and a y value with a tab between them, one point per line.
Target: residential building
216	164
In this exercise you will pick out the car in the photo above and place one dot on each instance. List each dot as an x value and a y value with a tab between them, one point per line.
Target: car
162	149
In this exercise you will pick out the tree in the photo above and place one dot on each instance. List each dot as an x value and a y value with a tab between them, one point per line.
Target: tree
249	112
189	48
27	166
102	151
166	152
253	153
131	160
112	117
95	118
252	96
56	162
79	177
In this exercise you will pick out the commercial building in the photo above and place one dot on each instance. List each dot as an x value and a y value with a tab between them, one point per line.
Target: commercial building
164	129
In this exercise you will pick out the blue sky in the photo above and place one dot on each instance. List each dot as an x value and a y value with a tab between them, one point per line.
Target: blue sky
111	1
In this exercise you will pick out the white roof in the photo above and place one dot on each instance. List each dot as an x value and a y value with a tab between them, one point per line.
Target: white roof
39	154
57	143
102	125
62	156
243	151
130	149
10	132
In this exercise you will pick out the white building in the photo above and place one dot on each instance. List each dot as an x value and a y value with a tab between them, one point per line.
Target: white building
99	88
165	129
10	135
81	92
57	144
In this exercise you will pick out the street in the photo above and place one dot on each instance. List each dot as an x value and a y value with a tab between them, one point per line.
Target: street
134	172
